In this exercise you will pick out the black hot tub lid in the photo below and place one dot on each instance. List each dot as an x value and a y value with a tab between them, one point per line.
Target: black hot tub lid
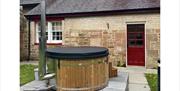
76	52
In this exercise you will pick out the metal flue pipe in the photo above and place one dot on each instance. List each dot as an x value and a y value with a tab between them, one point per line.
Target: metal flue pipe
42	41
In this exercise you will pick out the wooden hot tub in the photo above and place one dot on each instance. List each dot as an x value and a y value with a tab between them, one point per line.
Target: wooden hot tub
80	68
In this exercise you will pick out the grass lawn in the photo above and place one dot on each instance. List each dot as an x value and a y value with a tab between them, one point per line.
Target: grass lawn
26	73
152	81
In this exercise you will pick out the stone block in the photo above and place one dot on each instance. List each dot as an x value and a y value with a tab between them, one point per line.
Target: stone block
74	34
95	42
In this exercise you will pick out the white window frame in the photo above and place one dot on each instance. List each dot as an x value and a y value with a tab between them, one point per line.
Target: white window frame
49	30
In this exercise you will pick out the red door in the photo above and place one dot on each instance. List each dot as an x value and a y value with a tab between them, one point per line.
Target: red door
135	45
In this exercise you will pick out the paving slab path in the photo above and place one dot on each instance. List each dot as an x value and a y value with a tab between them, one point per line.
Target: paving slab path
137	79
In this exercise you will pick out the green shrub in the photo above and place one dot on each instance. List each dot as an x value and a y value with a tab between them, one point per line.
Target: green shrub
119	64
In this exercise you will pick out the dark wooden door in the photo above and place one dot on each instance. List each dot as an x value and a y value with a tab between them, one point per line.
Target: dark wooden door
135	45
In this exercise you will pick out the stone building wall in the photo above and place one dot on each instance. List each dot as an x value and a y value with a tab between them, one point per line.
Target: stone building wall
23	37
112	39
152	47
23	45
110	32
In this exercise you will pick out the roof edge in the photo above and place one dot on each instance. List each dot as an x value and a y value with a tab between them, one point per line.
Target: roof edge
101	13
29	4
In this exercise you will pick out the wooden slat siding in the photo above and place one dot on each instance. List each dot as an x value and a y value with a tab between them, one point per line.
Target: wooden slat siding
84	76
71	76
76	77
79	81
107	72
90	74
104	76
102	72
57	73
99	73
68	78
63	76
95	75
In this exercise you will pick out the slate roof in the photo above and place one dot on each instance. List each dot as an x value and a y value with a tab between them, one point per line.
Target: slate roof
89	6
28	2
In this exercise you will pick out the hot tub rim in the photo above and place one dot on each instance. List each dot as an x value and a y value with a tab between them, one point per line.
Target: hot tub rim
102	52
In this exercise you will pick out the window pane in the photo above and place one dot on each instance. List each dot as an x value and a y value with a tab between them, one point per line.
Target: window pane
58	33
139	36
56	30
54	38
58	38
135	27
59	23
56	26
139	42
131	35
131	42
54	33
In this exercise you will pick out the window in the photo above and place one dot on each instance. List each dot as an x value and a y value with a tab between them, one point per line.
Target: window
53	31
135	35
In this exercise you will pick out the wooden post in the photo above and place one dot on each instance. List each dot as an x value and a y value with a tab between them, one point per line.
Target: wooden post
42	40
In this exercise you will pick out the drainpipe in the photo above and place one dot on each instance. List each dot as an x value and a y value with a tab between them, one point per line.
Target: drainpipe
42	41
29	40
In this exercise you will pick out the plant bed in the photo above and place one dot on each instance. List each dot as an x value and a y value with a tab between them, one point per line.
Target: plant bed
26	73
152	81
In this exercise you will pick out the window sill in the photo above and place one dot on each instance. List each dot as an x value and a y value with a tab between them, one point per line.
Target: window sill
50	43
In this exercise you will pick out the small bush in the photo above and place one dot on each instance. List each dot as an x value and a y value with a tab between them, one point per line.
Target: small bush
119	64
